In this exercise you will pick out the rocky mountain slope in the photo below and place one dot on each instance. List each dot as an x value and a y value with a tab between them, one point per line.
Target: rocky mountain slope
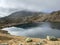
54	16
22	17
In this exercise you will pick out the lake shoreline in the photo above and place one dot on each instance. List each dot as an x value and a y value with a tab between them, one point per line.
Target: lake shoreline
35	30
16	40
15	24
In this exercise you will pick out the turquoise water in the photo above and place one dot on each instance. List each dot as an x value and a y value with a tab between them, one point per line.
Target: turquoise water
36	30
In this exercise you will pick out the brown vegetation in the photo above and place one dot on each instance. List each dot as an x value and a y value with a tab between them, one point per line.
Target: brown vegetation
19	40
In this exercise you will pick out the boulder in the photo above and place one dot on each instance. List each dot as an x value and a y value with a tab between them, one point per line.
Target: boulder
52	38
28	40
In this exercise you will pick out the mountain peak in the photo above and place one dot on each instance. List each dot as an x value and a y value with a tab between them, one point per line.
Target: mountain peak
56	12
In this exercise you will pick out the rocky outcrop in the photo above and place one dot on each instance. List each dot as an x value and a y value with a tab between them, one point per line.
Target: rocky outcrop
54	16
4	32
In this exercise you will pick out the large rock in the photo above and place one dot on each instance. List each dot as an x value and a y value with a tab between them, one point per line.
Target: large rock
52	38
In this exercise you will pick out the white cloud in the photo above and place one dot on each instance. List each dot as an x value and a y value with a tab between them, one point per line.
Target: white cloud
33	5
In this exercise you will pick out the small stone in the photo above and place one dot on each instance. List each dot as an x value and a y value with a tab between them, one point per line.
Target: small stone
20	44
38	43
34	43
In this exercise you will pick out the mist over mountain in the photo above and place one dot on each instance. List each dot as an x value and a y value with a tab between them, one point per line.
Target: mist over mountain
22	15
25	13
9	6
6	11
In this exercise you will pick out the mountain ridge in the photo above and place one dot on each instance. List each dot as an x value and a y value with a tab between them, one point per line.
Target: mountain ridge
22	17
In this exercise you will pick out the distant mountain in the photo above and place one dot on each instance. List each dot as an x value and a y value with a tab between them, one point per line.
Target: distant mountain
54	16
24	13
56	12
23	16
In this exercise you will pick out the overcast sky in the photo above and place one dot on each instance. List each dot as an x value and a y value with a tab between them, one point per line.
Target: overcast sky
33	5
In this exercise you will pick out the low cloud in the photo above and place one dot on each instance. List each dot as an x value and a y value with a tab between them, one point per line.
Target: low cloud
34	5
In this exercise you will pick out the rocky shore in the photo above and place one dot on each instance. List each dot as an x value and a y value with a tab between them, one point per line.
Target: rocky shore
7	39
